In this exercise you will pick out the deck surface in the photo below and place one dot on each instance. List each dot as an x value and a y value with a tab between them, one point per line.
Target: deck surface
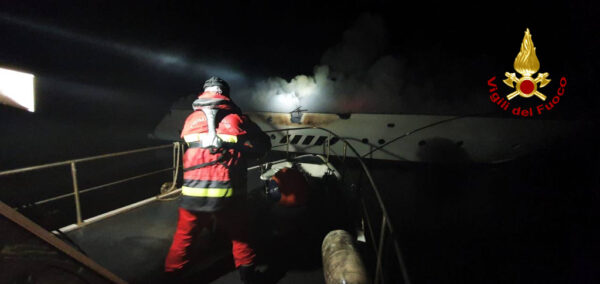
134	244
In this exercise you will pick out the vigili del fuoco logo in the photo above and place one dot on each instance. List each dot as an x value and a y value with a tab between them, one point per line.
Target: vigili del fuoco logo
526	87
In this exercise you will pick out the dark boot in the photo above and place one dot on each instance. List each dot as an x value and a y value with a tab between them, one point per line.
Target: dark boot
171	277
250	275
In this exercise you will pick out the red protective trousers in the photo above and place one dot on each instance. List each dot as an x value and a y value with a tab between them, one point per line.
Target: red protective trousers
235	224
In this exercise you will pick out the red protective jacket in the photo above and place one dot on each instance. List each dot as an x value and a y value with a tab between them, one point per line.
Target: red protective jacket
215	186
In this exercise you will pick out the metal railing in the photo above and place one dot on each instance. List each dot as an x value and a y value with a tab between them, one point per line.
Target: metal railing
386	228
73	167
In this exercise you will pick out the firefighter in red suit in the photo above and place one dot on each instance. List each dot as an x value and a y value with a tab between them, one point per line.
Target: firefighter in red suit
220	140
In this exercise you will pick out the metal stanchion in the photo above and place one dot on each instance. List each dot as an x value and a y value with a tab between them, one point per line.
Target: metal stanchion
76	193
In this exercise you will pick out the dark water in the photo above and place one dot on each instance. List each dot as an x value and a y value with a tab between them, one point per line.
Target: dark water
531	220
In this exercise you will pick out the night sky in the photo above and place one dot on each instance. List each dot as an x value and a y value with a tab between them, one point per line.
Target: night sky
114	69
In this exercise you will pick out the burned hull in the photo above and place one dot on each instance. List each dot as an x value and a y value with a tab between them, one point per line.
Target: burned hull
416	138
403	137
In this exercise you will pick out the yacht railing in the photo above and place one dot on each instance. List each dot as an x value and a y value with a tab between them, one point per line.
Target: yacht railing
386	239
176	146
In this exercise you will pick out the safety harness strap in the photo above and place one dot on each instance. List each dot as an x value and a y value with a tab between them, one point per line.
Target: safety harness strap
208	140
199	166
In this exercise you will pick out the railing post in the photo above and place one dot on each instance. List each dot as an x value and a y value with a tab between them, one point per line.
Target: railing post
369	225
287	145
175	161
380	250
328	145
344	167
76	193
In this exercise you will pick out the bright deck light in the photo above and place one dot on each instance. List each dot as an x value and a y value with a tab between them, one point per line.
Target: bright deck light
287	100
16	89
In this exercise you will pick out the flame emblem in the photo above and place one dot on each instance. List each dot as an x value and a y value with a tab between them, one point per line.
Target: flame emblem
527	64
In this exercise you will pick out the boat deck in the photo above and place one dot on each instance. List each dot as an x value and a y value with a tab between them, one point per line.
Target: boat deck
133	244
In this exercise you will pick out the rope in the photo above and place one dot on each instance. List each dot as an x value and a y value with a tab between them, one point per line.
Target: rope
169	187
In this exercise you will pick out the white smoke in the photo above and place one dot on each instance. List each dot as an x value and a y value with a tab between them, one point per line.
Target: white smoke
351	75
361	75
